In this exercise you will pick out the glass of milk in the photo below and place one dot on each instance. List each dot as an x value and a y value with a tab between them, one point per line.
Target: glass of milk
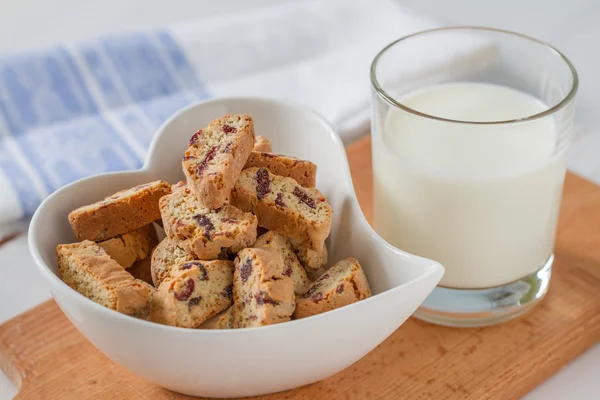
469	132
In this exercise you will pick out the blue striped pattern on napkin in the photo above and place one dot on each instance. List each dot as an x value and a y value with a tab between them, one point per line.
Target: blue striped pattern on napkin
86	108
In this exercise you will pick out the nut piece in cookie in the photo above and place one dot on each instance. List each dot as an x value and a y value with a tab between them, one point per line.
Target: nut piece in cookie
222	320
202	231
194	292
87	268
291	266
119	213
344	283
215	157
261	143
303	172
283	206
166	256
132	246
262	294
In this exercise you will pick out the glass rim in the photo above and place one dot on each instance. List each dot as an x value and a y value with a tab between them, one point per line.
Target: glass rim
551	110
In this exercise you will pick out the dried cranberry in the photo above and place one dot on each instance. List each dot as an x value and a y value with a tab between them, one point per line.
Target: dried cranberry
199	265
194	137
230	220
340	289
246	270
188	265
229	129
279	200
206	223
195	301
186	291
228	291
204	273
313	289
264	298
262	183
317	297
269	155
207	158
304	198
185	158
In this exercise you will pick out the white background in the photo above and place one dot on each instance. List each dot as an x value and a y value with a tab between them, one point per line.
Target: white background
573	27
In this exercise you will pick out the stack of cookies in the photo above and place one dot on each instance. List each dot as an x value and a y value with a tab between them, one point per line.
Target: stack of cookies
244	245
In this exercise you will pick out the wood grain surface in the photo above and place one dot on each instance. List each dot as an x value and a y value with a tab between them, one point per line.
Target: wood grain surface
48	359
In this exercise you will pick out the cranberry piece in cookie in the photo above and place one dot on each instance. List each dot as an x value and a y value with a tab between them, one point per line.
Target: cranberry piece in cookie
246	269
262	183
186	291
302	171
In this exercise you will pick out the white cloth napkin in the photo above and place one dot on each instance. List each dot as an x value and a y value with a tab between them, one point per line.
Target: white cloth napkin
90	107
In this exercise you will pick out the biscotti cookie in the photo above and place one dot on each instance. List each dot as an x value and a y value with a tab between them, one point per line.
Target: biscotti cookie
344	283
194	292
283	206
87	268
261	143
291	266
166	256
205	232
215	157
222	320
131	246
262	295
120	213
310	259
302	171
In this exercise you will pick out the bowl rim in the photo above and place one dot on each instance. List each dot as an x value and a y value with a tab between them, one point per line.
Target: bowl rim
434	267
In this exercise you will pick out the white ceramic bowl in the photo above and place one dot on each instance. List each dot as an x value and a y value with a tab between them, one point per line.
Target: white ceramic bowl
244	362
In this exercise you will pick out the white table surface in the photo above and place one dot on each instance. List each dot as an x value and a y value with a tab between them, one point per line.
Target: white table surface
571	26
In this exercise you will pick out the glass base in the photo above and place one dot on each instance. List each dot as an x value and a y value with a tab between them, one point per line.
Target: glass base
482	307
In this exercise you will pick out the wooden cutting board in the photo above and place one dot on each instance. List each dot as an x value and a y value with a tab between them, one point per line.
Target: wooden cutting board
48	359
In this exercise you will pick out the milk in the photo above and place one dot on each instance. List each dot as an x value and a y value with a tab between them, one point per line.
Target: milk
481	199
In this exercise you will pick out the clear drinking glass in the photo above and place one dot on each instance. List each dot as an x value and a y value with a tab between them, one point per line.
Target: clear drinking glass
469	132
